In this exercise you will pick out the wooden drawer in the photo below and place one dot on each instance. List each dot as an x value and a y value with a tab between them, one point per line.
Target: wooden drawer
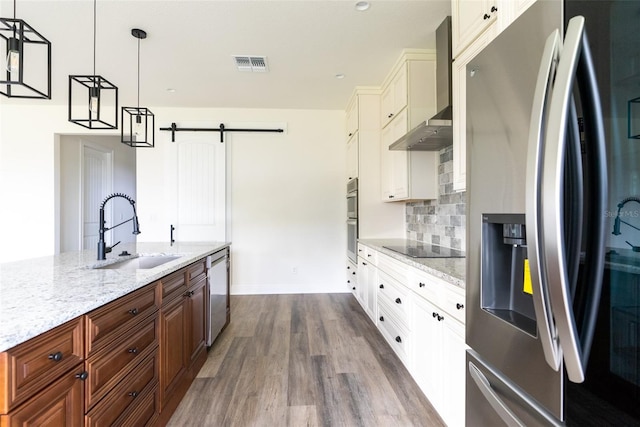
126	395
393	331
31	366
146	411
60	404
395	295
114	362
173	285
103	323
195	270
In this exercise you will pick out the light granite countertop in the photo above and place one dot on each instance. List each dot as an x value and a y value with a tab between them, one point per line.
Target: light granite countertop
39	294
452	270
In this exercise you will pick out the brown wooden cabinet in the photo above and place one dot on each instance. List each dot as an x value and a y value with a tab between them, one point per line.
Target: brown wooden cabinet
129	362
183	326
41	379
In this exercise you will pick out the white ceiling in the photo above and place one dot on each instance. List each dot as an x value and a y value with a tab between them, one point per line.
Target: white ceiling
190	45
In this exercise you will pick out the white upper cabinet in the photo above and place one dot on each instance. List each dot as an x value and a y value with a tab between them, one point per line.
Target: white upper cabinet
394	96
471	18
353	147
352	118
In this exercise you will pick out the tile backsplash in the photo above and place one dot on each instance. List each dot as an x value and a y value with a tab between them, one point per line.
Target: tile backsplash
442	221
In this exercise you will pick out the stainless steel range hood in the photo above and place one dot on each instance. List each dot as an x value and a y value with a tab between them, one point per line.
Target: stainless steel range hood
435	133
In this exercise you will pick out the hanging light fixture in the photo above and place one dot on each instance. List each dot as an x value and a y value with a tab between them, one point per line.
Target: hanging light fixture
22	81
93	103
138	128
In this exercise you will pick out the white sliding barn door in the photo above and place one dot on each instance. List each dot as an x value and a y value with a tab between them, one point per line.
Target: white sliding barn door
200	188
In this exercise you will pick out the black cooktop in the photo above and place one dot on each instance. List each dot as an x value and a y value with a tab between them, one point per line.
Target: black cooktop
425	250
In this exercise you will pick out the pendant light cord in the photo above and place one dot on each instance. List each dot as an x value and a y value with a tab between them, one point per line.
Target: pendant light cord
94	43
138	75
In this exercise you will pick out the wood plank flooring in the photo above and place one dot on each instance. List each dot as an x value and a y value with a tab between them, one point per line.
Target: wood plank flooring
302	360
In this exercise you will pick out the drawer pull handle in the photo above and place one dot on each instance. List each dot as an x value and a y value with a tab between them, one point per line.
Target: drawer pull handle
459	306
133	393
398	339
189	294
440	318
82	375
421	285
364	263
133	311
398	301
368	255
56	357
382	318
437	316
359	250
485	17
494	9
390	115
434	314
353	272
381	286
133	350
348	281
354	288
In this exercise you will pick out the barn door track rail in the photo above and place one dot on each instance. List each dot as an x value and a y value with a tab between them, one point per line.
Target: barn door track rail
222	129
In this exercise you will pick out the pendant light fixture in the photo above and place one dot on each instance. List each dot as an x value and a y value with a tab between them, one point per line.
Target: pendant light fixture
24	81
93	100
138	123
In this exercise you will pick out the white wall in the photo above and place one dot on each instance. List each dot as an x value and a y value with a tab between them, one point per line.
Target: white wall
287	201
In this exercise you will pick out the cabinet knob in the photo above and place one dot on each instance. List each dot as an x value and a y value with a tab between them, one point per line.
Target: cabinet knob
485	17
354	288
382	318
398	339
381	286
133	350
350	133
494	9
440	318
348	281
364	263
82	375
434	314
390	115
353	272
359	250
421	285
391	196
133	393
368	255
133	311
56	357
398	301
459	306
189	294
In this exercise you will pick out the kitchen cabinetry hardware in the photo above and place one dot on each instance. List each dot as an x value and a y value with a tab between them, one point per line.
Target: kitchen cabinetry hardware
133	350
398	301
382	318
381	286
171	230
353	272
82	375
494	9
486	16
354	288
133	311
56	357
459	306
364	263
398	339
133	394
174	128
421	285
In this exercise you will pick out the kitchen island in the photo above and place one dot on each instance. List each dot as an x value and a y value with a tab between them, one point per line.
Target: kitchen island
39	294
116	341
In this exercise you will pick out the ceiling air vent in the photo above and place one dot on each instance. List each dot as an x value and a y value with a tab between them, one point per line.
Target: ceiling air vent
256	64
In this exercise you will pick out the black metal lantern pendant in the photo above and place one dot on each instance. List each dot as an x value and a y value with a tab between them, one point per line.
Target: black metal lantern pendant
93	100
138	123
22	79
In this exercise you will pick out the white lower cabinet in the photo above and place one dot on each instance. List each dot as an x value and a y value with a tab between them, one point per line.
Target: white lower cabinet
367	280
422	319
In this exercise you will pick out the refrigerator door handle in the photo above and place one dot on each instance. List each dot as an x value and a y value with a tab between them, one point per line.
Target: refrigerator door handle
498	405
535	240
553	202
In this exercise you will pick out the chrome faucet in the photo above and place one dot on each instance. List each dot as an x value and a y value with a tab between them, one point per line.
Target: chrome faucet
103	249
618	221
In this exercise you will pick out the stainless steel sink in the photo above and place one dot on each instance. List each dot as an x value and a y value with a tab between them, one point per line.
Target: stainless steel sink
142	262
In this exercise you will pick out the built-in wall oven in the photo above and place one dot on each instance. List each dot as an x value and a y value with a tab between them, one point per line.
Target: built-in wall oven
352	219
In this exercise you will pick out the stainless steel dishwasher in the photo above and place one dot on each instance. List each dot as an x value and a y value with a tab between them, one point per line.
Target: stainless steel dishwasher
218	293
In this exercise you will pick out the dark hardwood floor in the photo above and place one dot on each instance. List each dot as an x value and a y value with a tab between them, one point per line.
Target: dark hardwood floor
302	360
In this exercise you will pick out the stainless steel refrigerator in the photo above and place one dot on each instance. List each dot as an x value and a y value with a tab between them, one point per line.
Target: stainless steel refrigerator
553	219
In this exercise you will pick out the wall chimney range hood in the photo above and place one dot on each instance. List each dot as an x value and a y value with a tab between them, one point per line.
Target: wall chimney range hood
435	133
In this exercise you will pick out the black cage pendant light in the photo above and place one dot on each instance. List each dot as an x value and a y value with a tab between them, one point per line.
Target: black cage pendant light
93	100
138	123
22	79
